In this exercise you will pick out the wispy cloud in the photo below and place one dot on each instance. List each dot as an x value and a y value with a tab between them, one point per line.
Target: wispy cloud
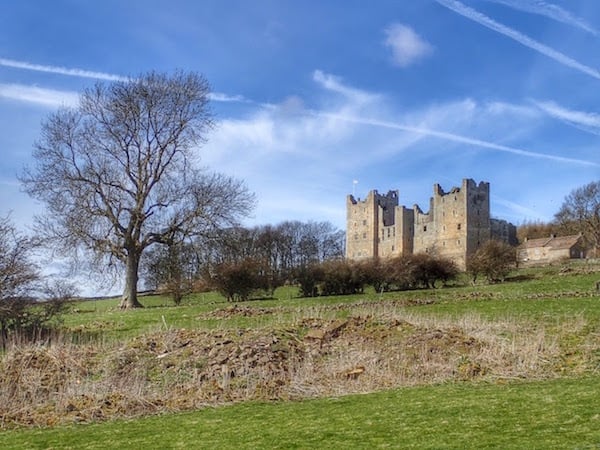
313	155
521	38
335	84
61	70
51	97
225	98
406	45
550	10
518	209
38	95
460	139
587	121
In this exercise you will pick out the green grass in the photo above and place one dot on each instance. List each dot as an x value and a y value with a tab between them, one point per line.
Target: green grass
557	413
552	414
535	294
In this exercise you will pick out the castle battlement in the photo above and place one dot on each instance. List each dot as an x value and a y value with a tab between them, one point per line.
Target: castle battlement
456	224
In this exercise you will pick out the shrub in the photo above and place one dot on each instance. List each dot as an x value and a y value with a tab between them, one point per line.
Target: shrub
341	277
377	273
420	271
494	260
237	280
308	277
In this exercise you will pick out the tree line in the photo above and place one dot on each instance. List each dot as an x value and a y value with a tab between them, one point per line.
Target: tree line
255	270
249	258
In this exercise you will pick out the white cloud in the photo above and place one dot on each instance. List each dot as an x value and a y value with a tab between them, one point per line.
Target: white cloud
61	70
335	84
521	38
517	209
498	107
452	137
38	95
221	97
587	121
550	10
302	162
406	45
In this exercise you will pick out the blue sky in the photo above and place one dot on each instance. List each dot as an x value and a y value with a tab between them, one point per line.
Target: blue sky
317	99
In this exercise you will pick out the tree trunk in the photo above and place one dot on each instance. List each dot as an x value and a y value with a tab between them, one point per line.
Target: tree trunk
129	299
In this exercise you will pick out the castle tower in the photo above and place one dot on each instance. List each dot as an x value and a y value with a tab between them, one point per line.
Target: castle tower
365	219
457	224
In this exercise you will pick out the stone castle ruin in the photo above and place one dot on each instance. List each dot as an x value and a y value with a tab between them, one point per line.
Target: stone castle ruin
457	224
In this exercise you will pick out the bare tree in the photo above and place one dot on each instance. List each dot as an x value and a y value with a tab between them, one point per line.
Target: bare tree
18	277
494	259
171	268
117	173
18	273
580	213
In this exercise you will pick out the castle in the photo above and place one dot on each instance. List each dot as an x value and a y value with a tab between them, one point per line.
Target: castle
457	223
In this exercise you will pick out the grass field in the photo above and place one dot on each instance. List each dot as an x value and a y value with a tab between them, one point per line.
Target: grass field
555	414
511	365
536	294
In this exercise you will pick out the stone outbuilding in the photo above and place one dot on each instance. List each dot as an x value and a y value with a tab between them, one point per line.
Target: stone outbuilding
551	249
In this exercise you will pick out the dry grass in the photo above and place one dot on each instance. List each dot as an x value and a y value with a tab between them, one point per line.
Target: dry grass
311	353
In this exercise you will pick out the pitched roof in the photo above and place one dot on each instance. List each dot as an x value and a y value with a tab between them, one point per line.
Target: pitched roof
554	242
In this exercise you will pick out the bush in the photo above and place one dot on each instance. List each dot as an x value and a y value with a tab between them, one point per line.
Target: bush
494	260
376	273
237	280
341	277
420	271
308	278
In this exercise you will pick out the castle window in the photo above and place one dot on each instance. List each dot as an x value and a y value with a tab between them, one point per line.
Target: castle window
458	242
389	232
424	227
365	222
458	226
364	235
393	248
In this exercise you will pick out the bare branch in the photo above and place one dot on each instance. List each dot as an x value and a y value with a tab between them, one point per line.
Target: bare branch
115	176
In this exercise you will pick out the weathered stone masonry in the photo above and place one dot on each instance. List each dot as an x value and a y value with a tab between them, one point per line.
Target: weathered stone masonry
457	223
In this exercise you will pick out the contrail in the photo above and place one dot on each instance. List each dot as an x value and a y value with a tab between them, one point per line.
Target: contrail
521	38
585	121
215	96
550	10
457	138
61	70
